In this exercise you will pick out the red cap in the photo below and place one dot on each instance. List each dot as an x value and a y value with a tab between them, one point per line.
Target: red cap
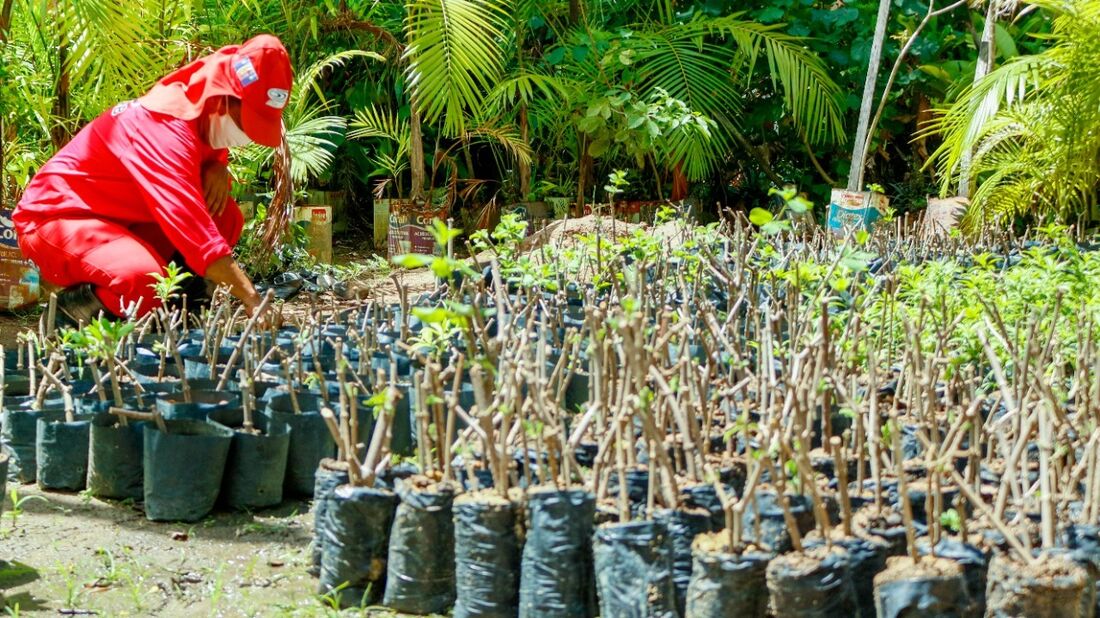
257	72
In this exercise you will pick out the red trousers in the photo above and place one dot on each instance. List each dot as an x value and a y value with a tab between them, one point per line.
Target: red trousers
119	261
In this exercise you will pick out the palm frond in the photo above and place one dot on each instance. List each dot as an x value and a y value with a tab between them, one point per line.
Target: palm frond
374	122
809	94
454	57
306	80
506	137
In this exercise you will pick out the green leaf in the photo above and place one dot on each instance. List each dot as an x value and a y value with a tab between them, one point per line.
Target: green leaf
598	147
761	217
412	260
556	55
799	205
430	316
1006	45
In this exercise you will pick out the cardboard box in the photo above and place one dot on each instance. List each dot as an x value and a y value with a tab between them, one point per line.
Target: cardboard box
855	209
319	228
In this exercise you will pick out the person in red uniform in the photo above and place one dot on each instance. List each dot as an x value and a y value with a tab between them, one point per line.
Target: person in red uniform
147	183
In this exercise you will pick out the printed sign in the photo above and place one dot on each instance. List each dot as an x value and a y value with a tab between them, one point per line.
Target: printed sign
19	280
410	228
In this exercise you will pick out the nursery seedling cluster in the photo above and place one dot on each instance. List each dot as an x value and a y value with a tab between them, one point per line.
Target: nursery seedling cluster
663	421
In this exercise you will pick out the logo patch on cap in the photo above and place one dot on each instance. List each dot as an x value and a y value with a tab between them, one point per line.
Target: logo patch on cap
246	73
277	97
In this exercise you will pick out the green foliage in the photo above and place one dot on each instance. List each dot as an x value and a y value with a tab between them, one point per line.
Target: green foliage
167	286
291	255
1033	126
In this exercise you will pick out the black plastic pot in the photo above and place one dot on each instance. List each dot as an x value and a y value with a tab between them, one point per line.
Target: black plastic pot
61	452
866	559
813	583
637	488
420	575
706	497
328	477
682	526
202	404
115	458
184	469
256	466
487	557
556	578
18	434
1053	586
3	479
763	521
974	562
633	563
727	584
310	440
354	535
930	588
402	440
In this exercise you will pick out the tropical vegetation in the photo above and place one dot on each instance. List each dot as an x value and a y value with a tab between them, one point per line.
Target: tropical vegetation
486	103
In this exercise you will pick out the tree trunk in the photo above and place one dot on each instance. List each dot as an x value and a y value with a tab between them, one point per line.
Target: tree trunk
5	20
987	51
855	174
5	138
524	165
575	12
61	108
583	175
680	185
416	150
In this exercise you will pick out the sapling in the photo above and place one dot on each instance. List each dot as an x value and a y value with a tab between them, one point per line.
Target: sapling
166	287
257	313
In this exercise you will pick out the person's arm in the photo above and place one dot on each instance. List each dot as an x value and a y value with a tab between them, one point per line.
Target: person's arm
226	271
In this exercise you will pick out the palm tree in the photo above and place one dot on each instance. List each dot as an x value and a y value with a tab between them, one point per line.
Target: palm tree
705	63
1033	126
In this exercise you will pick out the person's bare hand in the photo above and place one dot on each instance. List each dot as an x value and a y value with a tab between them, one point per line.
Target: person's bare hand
215	187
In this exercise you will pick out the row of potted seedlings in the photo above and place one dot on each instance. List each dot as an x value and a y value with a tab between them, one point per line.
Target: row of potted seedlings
690	435
666	449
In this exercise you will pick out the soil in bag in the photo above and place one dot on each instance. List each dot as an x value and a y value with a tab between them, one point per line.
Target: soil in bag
420	575
682	525
183	469
814	583
115	458
330	475
724	583
310	440
1051	586
556	579
354	535
633	563
18	435
929	588
487	556
256	466
61	450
